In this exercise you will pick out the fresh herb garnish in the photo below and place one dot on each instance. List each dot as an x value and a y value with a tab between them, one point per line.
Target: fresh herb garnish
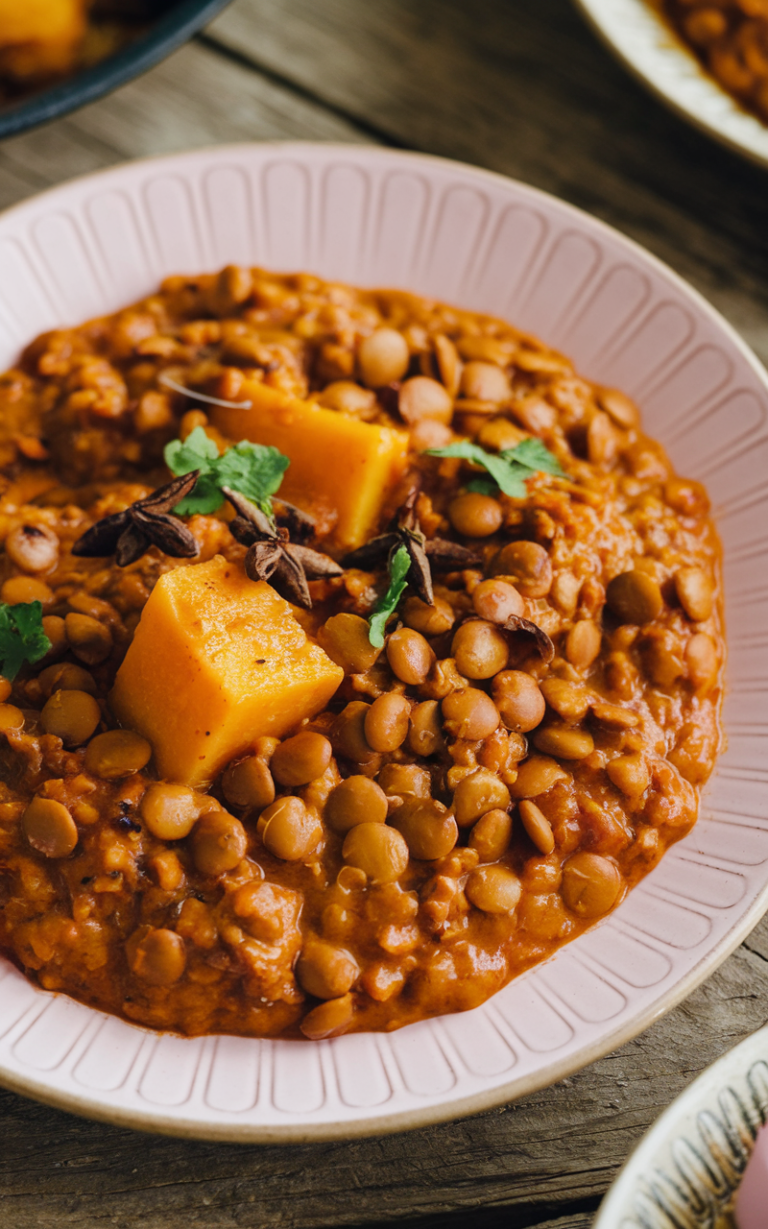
21	637
399	565
255	470
508	469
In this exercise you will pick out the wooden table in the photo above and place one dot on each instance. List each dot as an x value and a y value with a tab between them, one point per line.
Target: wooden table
522	87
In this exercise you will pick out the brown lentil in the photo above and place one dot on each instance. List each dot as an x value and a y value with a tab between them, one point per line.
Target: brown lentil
90	640
66	676
33	548
496	600
11	718
429	620
536	776
537	826
429	828
479	649
425	736
218	843
170	811
527	565
634	597
301	759
291	831
326	971
383	357
329	1019
409	655
519	700
160	958
423	398
378	850
387	722
695	593
475	515
469	713
564	742
494	889
49	828
345	639
358	800
72	716
405	780
481	791
117	753
491	835
591	884
248	783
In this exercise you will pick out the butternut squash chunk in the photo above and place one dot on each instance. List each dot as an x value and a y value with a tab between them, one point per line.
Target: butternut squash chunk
337	463
216	662
28	21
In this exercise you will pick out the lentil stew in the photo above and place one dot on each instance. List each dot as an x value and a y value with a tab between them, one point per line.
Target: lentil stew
224	807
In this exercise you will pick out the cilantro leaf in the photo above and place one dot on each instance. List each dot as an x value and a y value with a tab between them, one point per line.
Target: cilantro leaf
482	486
255	470
21	636
197	451
509	469
534	455
399	564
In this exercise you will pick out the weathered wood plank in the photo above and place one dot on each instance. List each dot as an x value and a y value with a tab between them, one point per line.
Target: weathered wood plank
526	89
195	98
512	1166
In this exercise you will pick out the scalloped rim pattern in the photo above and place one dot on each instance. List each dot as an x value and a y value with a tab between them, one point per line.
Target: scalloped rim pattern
691	1160
375	217
636	32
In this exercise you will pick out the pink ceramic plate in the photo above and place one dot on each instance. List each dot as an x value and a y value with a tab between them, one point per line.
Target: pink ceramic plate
378	218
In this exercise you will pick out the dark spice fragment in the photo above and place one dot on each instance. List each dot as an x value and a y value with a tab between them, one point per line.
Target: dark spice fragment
127	535
516	623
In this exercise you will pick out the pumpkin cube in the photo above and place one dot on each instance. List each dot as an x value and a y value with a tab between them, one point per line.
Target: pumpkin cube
216	662
39	38
338	465
32	21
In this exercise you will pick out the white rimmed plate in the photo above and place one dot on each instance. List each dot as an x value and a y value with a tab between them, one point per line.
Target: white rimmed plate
685	1172
381	218
637	33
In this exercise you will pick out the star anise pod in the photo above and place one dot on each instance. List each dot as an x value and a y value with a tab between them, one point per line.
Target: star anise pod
127	535
300	525
273	556
426	554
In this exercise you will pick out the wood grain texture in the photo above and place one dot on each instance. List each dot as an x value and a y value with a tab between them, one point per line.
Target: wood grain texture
522	88
195	98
